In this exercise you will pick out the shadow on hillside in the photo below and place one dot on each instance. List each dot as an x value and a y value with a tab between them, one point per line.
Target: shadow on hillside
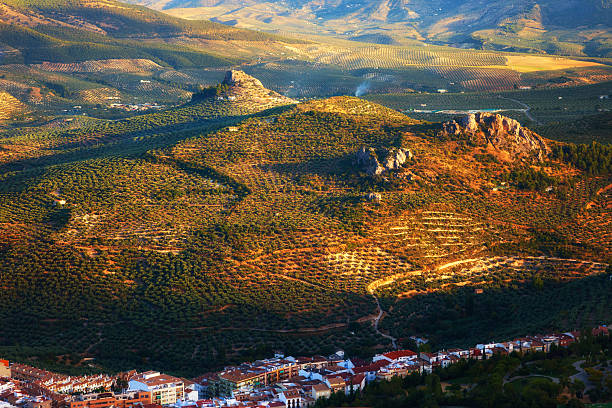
497	310
325	167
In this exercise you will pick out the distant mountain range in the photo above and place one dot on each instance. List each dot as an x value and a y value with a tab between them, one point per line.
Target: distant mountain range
550	26
71	31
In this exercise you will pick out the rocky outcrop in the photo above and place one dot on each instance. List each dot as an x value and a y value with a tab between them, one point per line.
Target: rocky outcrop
501	132
243	87
373	197
373	162
239	78
240	93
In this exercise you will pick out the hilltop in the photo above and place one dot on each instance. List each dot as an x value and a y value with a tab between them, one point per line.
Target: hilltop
501	133
242	93
204	228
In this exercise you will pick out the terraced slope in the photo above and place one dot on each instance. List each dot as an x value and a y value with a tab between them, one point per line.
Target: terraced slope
10	106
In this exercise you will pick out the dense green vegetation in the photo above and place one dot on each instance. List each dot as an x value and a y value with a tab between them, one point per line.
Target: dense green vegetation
209	92
593	158
530	179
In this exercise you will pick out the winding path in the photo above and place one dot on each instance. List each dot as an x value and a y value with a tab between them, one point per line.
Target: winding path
377	319
582	376
524	105
520	377
389	280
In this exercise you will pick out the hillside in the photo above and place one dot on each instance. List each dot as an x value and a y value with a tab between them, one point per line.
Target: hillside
107	59
571	28
10	106
203	228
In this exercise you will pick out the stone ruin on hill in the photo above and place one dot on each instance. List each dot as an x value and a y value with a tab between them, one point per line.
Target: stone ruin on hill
501	132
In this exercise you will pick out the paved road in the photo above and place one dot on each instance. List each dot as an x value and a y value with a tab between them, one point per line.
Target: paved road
582	376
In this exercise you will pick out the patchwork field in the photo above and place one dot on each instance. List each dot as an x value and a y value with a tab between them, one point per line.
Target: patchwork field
301	66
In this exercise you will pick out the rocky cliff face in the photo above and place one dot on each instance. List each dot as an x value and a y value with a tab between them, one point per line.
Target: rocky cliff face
244	88
374	162
501	132
238	78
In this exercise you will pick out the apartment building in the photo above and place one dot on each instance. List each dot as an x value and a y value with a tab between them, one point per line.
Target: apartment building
164	389
5	369
108	399
249	376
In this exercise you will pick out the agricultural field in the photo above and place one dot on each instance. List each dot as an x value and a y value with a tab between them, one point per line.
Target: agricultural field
115	68
552	111
10	106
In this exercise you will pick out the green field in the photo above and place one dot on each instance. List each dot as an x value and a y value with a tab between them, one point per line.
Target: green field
554	110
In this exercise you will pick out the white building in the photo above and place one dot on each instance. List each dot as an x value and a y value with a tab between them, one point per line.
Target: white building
164	389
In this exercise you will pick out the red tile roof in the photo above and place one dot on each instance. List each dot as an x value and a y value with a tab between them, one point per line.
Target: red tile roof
357	362
394	355
601	330
320	387
356	379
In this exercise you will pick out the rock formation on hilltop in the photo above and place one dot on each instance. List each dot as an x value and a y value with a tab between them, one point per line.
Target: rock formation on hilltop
243	87
243	93
374	162
501	132
239	78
